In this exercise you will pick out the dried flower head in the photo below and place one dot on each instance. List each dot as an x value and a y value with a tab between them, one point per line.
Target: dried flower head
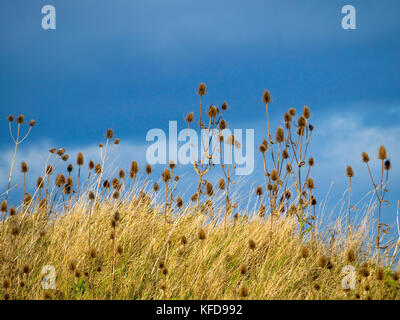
98	169
304	253
202	234
221	184
306	112
121	174
224	106
382	155
11	118
351	256
155	187
209	189
179	202
12	212
266	97
274	175
222	124
310	183
322	262
65	157
243	291
280	135
212	111
202	89
365	157
70	168
387	165
190	117
243	269
311	161
148	169
259	191
252	244
24	167
134	169
91	165
349	171
109	134
60	180
166	175
79	159
3	206
20	119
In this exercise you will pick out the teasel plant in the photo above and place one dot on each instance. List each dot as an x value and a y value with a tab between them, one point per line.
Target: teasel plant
380	191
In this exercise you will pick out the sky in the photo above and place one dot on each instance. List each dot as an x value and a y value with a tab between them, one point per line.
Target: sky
135	65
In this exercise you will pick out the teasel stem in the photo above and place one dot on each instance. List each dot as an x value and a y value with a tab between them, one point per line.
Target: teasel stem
16	142
349	222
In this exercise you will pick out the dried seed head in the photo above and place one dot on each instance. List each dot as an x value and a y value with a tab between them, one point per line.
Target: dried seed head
222	124
292	112
179	202
301	122
109	134
165	271
224	106
106	184
116	184
20	119
310	183
14	228
322	262
306	112
134	169
274	175
91	165
243	291
259	191
364	271
190	117
243	269
172	164
183	240
155	187
316	286
65	157
387	165
43	203
280	135
3	206
351	256
221	184
311	161
287	118
70	168
166	175
161	264
98	169
349	171
120	249
202	234
148	169
252	244
117	216
79	159
24	167
365	157
116	195
39	183
382	153
262	148
121	174
209	189
380	274
13	212
91	195
26	269
60	180
304	253
117	141
32	123
194	197
10	118
212	111
202	89
266	97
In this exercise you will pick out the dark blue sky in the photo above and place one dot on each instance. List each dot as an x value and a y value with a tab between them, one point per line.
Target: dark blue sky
134	65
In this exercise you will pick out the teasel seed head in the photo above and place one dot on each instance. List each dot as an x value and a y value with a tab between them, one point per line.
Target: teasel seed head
70	168
190	117
179	202
313	201
106	184
212	111
21	119
156	187
316	286
109	134
116	216
11	118
311	127
194	197
380	274
263	148
252	244
60	152
301	122
222	124
166	175
274	175
91	195
349	171
322	262
32	123
224	106
289	168
161	264
65	157
3	206
14	228
79	159
351	256
134	169
300	131
13	212
285	154
172	164
91	165
287	118
24	167
121	174
221	184
53	150
26	269
165	271
120	250
306	112
116	195
202	89
98	169
292	112
364	271
60	180
148	169
382	155
270	187
117	141
243	291
243	269
39	183
388	165
304	253
209	189
266	97
202	234
259	191
280	135
116	184
311	162
365	157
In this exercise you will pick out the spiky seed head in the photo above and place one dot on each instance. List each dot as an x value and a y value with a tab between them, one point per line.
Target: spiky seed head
43	203
116	184
202	89
300	131
287	194
14	228
380	274
310	183
209	189
280	135
212	111
3	206
262	148
91	165
91	195
11	118
24	167
155	187
316	286
252	244
165	271
116	195
270	187
60	152
382	155
224	106
65	157
53	150
106	184
13	212
109	134
117	216
32	123
311	127
351	256
49	170
98	169
261	211
365	157
179	202
306	112
60	180
166	175
289	168
285	154
388	165
134	169
349	171
183	240
161	264
266	97
79	159
287	118
21	119
190	117
194	197
121	174
243	291
221	184
39	183
148	169
230	140
322	262
70	168
304	253
364	271
120	250
292	112
26	269
222	124
172	164
274	175
243	269
259	191
311	161
202	234
301	122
